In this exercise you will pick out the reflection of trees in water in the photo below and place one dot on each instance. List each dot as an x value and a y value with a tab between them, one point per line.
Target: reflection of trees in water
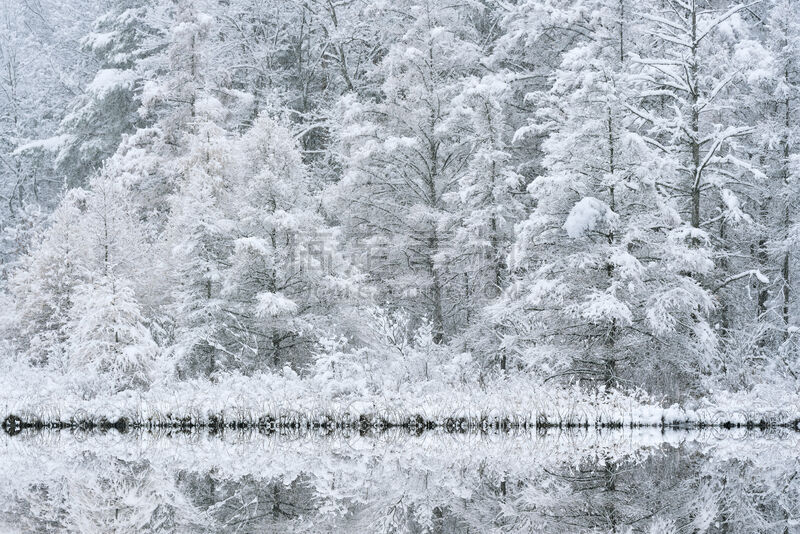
102	496
759	494
249	503
432	485
601	495
675	490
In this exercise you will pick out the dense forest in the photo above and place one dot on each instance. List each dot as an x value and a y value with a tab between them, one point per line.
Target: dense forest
373	195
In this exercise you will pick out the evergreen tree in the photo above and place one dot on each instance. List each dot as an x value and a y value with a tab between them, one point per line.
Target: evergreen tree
286	279
599	264
403	160
98	118
45	281
198	238
489	199
108	346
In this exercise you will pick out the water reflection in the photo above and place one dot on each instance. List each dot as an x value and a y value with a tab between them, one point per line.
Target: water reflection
616	481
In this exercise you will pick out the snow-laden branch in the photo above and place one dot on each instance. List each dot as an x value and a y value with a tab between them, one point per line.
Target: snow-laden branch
746	274
722	18
721	138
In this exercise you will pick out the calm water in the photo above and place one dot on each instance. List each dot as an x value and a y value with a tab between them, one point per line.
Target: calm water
615	481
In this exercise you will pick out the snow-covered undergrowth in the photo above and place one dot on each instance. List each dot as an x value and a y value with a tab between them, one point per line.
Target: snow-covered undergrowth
286	399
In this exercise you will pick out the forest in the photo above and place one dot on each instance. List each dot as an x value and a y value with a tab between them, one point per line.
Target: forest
543	210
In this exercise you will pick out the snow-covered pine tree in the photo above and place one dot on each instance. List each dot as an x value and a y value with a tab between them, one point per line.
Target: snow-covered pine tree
93	243
599	290
197	240
286	284
108	344
783	41
688	90
256	273
766	53
44	282
107	109
43	68
402	161
108	347
174	85
489	199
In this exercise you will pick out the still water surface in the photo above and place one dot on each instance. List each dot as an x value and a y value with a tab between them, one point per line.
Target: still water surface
396	482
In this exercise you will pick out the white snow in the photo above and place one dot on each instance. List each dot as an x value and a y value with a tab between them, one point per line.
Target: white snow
99	40
51	144
587	215
274	304
107	80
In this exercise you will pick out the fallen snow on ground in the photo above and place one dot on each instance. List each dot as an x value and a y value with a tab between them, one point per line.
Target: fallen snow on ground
285	397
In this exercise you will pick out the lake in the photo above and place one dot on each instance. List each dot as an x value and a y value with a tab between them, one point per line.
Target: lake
396	481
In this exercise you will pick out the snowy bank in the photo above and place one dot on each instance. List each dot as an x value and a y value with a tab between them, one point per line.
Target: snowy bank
286	400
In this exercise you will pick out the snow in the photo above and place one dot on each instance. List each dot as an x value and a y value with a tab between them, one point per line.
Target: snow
99	40
49	398
210	108
108	80
205	20
755	60
274	304
589	214
51	144
254	244
733	207
152	92
416	225
398	143
606	307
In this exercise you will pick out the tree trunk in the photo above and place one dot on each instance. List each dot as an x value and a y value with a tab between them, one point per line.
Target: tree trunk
787	221
694	125
498	263
436	291
433	239
763	259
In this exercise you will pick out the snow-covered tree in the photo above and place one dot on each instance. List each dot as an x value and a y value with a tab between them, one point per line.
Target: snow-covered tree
198	239
600	189
43	69
688	87
759	346
45	280
601	263
107	109
783	39
403	159
489	198
774	82
286	278
256	271
90	234
108	345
